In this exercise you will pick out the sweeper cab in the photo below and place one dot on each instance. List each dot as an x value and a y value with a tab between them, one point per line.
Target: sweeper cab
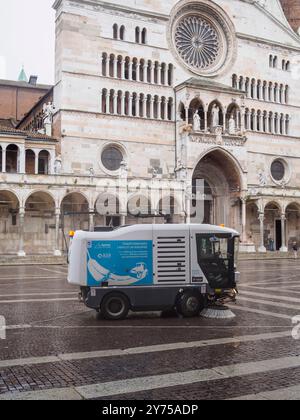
154	268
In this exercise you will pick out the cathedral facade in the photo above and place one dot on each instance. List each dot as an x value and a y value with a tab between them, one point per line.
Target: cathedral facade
178	111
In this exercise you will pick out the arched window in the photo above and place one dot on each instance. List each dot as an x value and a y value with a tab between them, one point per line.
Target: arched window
275	62
264	90
170	75
137	35
111	65
286	95
155	107
104	64
170	109
111	102
44	159
135	69
12	159
115	31
163	73
127	68
288	66
144	36
122	33
253	84
30	162
119	103
148	107
104	101
271	60
287	125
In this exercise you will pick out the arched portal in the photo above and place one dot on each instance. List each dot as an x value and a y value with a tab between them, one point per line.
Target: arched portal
9	223
74	214
39	226
216	190
293	224
273	226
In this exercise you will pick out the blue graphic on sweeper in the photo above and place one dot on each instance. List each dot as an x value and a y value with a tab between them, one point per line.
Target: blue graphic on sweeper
120	263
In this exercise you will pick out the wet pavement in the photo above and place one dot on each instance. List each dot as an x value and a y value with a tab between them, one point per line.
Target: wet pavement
57	348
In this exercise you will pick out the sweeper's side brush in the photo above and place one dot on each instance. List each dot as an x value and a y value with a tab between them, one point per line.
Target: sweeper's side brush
217	311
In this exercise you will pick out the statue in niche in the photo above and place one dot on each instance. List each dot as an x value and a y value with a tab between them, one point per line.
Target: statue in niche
196	121
215	116
232	125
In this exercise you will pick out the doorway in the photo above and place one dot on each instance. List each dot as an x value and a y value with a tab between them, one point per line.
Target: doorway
278	234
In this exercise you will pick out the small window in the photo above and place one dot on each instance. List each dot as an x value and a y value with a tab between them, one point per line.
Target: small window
278	170
112	158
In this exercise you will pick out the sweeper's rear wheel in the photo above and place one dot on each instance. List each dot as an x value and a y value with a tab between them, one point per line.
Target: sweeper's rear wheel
115	306
190	304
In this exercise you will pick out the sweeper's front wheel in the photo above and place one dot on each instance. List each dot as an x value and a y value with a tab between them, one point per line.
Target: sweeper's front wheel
190	304
115	307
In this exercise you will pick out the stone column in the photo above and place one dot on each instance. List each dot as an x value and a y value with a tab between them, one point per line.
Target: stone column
115	110
130	70
152	108
57	251
145	71
159	74
108	103
21	252
153	73
36	162
123	69
159	103
4	146
123	99
21	163
123	219
224	121
130	106
244	219
205	121
137	74
115	68
91	220
283	222
107	67
262	247
144	108
186	115
273	124
243	128
255	121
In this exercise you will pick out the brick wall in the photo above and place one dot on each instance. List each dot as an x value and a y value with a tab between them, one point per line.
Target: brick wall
292	11
16	101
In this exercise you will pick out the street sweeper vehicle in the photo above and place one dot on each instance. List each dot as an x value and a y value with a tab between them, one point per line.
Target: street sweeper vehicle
155	268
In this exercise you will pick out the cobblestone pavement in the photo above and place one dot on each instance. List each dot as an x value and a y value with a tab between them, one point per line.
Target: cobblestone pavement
57	349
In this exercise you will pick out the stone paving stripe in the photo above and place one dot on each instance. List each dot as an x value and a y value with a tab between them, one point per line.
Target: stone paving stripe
260	312
39	294
16	278
147	383
284	394
55	394
38	300
269	303
279	289
269	296
142	350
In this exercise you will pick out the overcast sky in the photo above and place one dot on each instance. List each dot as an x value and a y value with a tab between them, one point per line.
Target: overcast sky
27	37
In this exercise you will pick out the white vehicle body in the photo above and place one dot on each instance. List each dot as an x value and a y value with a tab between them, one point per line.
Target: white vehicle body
150	262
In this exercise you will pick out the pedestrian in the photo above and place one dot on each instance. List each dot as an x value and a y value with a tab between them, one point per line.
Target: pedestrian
295	250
